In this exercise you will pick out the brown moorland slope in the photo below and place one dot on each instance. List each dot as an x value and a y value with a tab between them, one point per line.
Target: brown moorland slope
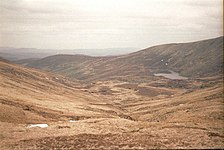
35	96
162	113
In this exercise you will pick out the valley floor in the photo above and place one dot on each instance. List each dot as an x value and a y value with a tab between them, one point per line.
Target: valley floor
162	113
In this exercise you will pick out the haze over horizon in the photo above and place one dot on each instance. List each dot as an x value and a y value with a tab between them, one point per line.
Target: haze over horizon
101	24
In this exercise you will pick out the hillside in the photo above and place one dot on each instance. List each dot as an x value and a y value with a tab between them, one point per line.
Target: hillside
79	67
189	59
28	92
196	59
33	96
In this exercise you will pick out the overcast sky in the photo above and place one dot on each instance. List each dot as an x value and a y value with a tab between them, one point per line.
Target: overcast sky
86	24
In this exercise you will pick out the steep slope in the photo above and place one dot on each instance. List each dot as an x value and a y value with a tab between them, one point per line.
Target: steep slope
202	58
32	96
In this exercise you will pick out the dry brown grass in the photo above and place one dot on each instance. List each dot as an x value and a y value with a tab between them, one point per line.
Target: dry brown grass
109	114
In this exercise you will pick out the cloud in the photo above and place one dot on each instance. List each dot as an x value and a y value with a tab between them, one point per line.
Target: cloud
107	23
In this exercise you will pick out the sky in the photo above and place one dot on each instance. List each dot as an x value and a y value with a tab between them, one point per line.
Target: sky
100	24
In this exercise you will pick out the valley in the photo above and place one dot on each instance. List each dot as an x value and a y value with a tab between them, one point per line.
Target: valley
116	102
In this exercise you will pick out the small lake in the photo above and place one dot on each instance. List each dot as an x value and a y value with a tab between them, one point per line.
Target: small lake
171	75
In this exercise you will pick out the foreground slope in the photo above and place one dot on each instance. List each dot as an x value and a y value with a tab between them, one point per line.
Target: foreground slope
202	58
30	96
162	113
49	97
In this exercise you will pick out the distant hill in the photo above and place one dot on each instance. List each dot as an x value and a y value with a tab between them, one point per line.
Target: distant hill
196	59
14	54
17	54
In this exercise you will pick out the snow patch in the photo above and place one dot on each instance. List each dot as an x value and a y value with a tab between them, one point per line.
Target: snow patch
72	121
37	125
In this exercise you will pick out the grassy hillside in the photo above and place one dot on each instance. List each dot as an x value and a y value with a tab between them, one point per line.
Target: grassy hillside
190	59
202	58
32	96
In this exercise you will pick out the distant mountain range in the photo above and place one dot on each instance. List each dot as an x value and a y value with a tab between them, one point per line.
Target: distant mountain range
15	54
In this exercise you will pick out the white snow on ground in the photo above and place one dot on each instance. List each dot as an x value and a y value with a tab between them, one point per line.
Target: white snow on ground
72	121
37	125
